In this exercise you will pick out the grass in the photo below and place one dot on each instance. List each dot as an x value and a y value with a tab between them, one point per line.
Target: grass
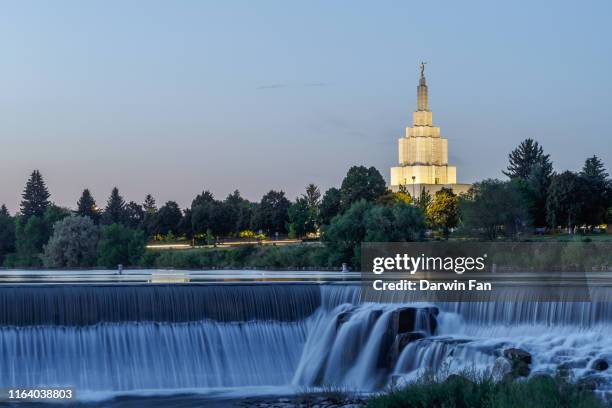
461	392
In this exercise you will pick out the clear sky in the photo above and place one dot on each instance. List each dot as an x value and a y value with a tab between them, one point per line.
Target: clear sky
176	97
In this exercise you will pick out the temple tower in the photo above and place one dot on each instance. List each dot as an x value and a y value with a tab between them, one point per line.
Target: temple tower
423	153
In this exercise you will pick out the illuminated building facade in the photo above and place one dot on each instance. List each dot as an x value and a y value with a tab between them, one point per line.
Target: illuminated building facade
423	153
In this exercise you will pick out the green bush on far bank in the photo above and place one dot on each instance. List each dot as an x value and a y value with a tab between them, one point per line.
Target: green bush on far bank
243	256
460	392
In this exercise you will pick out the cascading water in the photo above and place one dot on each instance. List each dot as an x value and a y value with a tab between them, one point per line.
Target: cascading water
178	337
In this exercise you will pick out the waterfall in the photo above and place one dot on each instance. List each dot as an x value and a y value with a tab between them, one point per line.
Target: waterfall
139	356
78	305
123	338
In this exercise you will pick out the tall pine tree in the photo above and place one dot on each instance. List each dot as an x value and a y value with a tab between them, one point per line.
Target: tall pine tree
599	191
114	212
7	232
86	206
533	171
149	205
35	196
525	157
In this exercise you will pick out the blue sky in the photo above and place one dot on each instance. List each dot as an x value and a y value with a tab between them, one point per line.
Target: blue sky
175	97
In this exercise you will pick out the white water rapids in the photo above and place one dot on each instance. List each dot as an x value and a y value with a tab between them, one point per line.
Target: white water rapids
333	341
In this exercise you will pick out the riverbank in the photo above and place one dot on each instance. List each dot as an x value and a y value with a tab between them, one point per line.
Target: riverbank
457	391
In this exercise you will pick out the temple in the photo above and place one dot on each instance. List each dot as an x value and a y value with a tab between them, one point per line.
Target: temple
423	153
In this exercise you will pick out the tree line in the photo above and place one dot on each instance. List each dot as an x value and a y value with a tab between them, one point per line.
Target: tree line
362	209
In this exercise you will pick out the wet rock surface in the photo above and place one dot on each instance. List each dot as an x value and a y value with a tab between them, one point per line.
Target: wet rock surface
600	364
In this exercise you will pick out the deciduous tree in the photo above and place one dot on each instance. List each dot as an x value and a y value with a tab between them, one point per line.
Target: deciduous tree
73	243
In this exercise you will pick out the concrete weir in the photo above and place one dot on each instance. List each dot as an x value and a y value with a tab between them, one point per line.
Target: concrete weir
171	338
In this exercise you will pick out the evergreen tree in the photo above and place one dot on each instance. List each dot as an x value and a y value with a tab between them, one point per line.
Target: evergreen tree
522	160
7	232
114	212
533	169
35	196
598	192
86	207
149	205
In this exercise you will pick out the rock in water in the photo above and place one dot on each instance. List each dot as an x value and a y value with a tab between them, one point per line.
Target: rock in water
516	354
600	364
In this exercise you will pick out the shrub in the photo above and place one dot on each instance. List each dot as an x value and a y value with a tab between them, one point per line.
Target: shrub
73	243
120	245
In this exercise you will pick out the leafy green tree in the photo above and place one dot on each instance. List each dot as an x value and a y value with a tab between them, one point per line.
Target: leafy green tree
203	198
565	200
598	192
168	219
366	222
35	197
344	235
7	233
361	183
31	234
330	206
424	200
300	220
133	215
494	207
443	212
120	245
208	216
272	213
185	226
398	223
86	207
73	243
114	212
391	198
535	191
238	211
53	214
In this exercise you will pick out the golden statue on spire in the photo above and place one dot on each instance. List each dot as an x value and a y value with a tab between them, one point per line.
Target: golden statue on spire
422	66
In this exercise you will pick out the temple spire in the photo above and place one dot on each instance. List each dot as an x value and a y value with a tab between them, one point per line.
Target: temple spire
422	90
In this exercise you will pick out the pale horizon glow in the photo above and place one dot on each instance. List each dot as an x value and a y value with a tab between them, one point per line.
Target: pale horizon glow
173	98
